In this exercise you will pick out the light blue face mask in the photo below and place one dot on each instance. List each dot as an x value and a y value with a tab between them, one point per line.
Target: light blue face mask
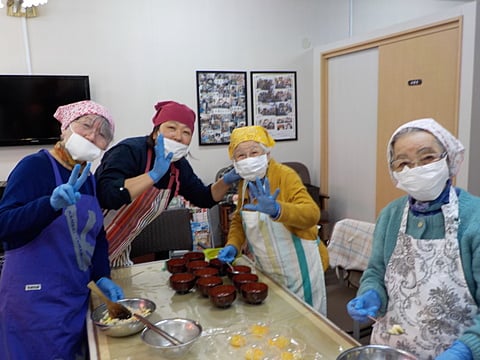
252	167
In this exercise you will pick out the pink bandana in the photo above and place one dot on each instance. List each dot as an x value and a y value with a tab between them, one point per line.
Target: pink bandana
70	112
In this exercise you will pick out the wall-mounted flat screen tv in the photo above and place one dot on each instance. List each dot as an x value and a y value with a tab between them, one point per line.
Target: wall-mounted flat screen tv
28	102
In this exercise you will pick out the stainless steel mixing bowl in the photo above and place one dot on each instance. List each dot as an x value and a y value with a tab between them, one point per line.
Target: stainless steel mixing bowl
185	330
375	352
123	327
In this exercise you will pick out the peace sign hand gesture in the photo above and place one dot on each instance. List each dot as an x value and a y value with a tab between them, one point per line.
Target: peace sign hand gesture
67	194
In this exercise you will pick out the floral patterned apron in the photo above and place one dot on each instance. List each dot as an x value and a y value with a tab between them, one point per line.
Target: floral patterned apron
428	294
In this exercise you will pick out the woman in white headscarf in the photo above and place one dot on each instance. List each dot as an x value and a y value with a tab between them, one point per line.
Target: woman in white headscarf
424	272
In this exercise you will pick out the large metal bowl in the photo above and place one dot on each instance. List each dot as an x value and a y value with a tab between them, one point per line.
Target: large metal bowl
123	327
185	330
375	352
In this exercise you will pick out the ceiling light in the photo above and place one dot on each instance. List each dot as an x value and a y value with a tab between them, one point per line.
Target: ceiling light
23	8
29	3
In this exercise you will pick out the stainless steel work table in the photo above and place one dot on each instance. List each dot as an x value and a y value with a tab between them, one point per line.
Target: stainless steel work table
280	309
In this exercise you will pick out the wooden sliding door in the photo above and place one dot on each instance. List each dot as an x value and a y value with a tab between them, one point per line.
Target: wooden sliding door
416	75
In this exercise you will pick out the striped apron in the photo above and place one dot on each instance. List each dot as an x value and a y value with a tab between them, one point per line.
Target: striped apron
291	261
123	225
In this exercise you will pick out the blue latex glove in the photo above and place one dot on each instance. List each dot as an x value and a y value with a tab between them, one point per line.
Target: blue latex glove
67	194
109	288
231	177
458	351
227	254
364	305
266	203
162	162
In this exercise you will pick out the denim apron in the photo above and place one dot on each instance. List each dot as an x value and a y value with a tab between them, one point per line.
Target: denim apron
43	286
428	294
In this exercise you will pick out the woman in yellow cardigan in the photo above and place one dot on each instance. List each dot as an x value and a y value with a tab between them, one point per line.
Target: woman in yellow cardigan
280	227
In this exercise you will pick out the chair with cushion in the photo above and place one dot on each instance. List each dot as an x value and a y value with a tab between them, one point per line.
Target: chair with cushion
319	197
349	250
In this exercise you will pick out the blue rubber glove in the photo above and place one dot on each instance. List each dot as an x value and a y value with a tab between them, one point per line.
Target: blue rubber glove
458	351
67	194
227	254
162	162
109	288
266	203
231	177
364	305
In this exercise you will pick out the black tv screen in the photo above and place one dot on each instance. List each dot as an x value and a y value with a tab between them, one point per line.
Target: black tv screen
28	102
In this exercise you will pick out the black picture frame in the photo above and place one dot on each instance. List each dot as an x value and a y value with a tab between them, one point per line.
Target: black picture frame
274	102
221	105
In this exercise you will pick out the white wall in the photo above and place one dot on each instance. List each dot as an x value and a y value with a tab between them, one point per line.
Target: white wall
469	110
139	52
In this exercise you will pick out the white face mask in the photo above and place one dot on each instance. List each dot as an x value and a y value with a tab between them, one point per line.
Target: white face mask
81	149
178	149
424	183
252	167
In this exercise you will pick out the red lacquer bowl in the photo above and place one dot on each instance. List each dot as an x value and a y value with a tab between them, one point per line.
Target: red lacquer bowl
176	265
220	265
182	283
204	284
204	272
196	264
238	269
254	292
222	296
240	279
194	255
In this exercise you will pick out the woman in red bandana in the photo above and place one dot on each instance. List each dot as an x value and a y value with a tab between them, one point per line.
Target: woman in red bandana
138	177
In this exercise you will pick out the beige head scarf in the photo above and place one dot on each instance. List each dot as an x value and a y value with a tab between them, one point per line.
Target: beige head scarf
454	148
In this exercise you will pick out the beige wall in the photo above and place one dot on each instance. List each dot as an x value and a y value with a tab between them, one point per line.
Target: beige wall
139	52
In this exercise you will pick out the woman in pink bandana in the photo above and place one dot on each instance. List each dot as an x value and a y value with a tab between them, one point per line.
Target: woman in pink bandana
424	271
51	226
138	177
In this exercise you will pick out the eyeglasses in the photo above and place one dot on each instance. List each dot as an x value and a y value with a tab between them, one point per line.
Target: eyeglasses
400	164
246	154
86	127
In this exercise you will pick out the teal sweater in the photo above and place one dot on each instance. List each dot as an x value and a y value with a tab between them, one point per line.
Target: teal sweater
385	239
